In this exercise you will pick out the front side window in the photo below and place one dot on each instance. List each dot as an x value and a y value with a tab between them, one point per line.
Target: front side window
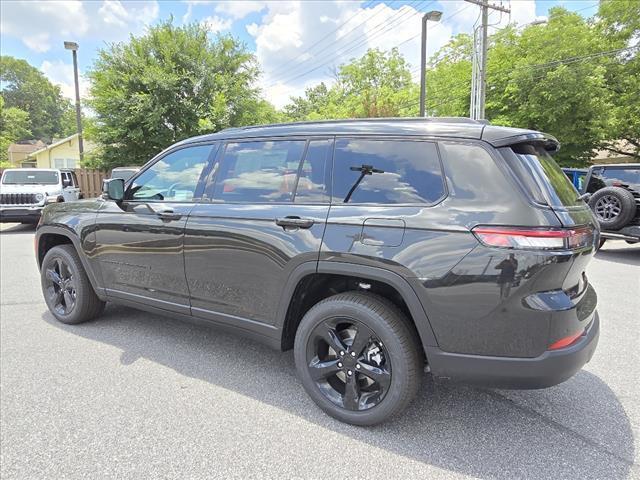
173	177
258	172
386	172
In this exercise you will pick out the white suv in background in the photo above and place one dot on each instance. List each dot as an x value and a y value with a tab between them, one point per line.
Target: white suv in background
24	192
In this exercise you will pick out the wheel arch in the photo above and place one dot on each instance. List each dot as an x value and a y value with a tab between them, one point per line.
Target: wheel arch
50	236
311	282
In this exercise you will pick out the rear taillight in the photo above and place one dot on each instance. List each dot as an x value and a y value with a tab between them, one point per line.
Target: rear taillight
535	238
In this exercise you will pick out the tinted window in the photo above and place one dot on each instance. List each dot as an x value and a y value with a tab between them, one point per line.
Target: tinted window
258	172
386	171
173	177
29	177
312	185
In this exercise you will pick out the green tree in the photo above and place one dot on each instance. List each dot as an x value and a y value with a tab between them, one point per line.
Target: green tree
449	79
378	84
14	126
314	101
167	85
550	77
26	88
620	23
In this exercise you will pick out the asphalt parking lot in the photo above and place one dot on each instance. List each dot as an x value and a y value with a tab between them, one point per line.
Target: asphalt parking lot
133	395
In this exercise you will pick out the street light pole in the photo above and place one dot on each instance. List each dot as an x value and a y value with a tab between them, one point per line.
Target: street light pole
74	50
434	16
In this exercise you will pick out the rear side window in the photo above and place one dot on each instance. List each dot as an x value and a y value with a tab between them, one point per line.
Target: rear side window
386	172
541	176
258	172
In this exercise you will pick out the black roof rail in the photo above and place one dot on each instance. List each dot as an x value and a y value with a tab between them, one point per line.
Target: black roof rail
462	120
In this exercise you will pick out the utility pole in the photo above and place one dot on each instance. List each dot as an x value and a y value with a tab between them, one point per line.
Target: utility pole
73	46
479	75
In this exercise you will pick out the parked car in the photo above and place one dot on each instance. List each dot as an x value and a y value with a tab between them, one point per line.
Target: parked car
375	249
615	200
577	176
125	173
24	192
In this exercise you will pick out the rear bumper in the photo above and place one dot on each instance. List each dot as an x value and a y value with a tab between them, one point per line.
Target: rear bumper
20	214
546	370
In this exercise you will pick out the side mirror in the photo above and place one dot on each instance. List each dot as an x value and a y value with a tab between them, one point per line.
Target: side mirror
113	189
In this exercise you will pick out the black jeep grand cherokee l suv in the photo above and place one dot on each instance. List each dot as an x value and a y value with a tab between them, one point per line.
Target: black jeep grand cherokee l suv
373	248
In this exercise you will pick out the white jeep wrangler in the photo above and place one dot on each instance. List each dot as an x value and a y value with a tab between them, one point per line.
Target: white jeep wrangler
24	192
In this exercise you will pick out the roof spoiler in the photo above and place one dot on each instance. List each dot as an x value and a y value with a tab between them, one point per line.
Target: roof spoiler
548	142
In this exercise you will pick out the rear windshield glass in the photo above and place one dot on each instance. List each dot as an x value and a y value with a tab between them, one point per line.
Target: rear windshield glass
613	177
29	177
542	177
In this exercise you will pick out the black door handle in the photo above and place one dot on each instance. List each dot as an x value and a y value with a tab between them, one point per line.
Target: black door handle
168	214
294	222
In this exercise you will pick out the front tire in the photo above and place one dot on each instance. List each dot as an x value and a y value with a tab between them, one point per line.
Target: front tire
66	287
358	357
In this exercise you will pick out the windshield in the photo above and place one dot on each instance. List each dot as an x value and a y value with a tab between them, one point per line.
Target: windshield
542	176
30	177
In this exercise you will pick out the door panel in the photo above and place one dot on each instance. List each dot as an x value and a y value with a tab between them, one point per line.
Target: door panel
140	254
239	255
238	259
139	241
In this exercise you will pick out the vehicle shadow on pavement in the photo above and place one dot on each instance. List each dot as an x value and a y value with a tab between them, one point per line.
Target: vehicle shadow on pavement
628	255
574	430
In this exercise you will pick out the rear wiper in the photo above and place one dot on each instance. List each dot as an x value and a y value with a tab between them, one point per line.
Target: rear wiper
364	170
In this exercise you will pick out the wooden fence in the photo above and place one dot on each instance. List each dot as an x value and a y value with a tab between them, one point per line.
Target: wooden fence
90	181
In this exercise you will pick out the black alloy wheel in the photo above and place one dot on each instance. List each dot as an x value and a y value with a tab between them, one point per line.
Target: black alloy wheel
60	287
348	363
66	287
359	357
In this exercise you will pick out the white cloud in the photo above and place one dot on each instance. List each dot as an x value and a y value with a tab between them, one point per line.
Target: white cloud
114	13
61	73
38	42
238	9
216	24
46	24
294	53
32	22
288	31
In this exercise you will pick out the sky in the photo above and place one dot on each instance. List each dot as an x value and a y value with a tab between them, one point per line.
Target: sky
298	43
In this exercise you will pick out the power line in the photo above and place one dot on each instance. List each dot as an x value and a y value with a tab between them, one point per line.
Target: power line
341	53
564	61
332	56
337	40
364	7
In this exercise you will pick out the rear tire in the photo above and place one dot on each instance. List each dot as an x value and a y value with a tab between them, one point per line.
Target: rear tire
66	287
358	357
